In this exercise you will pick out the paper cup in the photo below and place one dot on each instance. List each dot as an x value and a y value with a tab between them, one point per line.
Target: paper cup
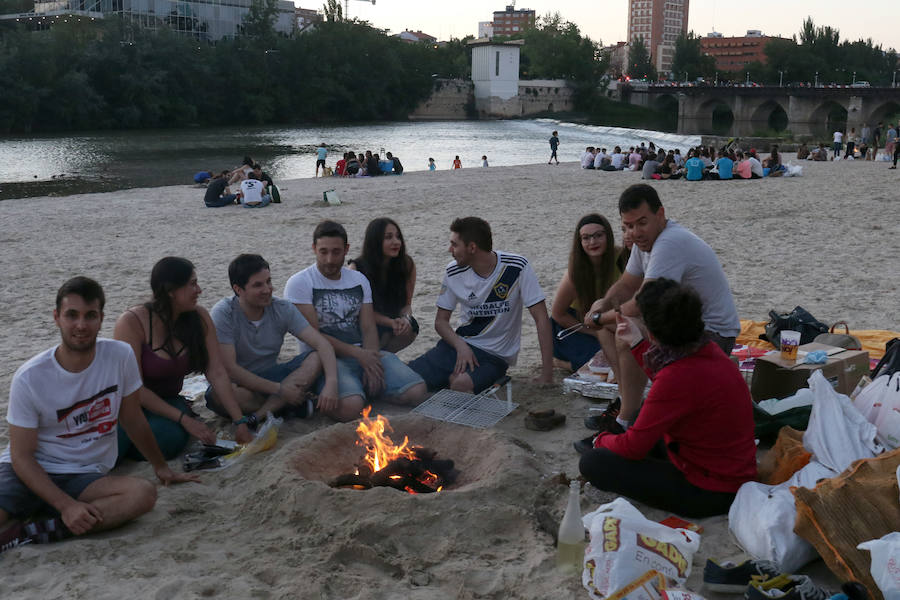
790	341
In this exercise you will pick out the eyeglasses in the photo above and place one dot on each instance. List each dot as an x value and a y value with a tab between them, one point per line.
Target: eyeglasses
590	237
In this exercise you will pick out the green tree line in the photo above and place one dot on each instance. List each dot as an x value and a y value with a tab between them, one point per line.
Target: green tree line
86	76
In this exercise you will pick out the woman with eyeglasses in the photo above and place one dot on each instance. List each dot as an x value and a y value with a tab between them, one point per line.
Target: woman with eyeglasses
592	271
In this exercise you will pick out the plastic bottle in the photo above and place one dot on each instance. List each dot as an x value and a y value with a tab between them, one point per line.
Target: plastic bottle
570	540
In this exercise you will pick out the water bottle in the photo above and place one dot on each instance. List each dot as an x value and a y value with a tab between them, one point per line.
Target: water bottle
570	540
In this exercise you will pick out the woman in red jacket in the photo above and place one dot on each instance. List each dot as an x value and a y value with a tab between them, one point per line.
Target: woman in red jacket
692	445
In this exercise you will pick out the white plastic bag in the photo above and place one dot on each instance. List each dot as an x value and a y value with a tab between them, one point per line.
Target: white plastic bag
868	401
762	519
887	422
838	433
885	567
624	545
792	170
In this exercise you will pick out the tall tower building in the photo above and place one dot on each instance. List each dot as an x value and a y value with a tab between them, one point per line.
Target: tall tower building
659	23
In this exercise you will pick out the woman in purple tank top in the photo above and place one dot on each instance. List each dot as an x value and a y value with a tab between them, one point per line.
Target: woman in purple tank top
171	337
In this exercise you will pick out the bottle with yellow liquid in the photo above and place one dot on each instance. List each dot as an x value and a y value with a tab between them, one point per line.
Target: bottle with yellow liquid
570	543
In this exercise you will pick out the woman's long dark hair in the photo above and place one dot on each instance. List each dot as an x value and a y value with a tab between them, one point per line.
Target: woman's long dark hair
388	282
169	274
581	270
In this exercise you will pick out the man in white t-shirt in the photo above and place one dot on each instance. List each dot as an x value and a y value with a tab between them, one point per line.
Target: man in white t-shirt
250	326
64	407
838	144
662	248
251	194
337	301
491	288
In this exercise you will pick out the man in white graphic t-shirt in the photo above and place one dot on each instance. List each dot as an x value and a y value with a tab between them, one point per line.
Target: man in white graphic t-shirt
64	407
337	301
251	195
491	288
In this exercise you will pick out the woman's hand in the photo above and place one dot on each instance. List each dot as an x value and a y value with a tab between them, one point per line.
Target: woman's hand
400	325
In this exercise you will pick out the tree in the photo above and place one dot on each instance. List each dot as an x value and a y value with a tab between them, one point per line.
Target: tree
333	10
689	60
260	19
639	63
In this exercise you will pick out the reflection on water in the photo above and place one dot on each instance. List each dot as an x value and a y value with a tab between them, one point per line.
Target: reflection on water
103	161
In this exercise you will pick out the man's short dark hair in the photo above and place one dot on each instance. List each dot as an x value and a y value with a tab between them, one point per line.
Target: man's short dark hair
329	229
87	288
473	229
244	267
637	194
672	312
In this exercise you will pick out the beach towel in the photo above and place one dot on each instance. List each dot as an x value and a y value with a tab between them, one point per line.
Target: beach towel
873	340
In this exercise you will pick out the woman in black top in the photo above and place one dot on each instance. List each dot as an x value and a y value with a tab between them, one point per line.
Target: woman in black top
392	274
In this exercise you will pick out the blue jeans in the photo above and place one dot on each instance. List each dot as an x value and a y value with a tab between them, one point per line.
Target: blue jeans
224	200
263	202
577	349
436	366
397	376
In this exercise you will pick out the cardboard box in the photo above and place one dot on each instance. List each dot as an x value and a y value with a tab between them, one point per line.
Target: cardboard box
774	377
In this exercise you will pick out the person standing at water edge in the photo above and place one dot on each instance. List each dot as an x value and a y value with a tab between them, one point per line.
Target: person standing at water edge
491	287
65	405
321	154
554	144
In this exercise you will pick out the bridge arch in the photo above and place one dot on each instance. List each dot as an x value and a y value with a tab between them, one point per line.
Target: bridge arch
667	106
830	116
883	112
769	116
716	116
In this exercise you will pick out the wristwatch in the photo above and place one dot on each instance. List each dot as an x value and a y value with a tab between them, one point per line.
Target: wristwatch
595	317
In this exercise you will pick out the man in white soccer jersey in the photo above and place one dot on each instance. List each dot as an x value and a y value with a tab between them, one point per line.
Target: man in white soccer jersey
491	288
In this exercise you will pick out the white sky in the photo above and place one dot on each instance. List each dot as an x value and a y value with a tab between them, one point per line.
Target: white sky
606	20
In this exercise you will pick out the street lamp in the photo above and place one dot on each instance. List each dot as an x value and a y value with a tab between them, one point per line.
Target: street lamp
748	77
894	82
817	80
780	78
854	78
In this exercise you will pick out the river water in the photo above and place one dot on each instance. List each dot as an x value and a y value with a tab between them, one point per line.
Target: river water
110	160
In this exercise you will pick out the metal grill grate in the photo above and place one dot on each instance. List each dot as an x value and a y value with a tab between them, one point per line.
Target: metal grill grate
481	411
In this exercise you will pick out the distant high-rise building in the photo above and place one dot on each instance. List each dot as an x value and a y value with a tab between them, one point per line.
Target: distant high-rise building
485	29
658	23
512	20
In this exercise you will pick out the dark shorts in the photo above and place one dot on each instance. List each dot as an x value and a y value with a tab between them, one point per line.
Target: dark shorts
436	366
725	343
320	163
18	501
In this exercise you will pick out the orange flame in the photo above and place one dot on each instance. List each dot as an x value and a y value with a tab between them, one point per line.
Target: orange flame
380	448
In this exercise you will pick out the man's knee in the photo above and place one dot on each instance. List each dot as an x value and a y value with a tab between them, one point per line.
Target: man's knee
348	408
414	395
144	495
461	383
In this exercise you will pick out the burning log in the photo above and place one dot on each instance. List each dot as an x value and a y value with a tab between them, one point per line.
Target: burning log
423	474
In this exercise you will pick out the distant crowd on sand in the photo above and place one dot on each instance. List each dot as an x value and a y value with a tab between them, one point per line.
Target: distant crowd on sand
658	305
702	162
865	145
370	164
255	187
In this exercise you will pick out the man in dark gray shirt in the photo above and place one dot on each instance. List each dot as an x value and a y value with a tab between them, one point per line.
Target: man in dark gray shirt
250	327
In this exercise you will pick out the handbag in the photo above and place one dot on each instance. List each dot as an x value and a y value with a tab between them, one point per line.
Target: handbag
798	319
890	362
841	340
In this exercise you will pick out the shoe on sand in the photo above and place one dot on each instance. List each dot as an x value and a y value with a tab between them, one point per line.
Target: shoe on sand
785	587
606	421
585	445
732	578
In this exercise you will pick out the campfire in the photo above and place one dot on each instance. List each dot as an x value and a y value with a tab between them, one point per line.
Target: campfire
413	469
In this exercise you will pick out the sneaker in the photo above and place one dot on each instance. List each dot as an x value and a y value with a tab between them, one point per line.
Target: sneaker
13	537
785	587
731	578
606	421
585	445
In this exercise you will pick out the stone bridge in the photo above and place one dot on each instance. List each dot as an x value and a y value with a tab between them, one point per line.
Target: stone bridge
743	111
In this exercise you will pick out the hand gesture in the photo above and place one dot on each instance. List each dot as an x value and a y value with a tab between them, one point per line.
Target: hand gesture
291	392
242	434
400	325
465	360
81	517
167	476
628	330
198	430
596	307
328	397
373	371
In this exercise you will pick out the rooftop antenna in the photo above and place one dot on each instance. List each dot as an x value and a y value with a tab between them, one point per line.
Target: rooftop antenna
347	7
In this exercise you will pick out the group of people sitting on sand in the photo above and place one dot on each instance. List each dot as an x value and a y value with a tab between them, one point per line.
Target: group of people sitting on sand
255	187
658	306
702	162
367	165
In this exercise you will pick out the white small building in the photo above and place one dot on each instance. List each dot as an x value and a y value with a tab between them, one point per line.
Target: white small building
495	73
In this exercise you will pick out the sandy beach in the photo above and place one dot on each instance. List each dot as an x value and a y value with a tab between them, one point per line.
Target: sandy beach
270	527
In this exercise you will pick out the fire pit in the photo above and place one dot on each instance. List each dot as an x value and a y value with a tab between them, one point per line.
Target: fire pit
413	469
481	457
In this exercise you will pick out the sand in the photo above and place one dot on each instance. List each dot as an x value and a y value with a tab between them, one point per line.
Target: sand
260	529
